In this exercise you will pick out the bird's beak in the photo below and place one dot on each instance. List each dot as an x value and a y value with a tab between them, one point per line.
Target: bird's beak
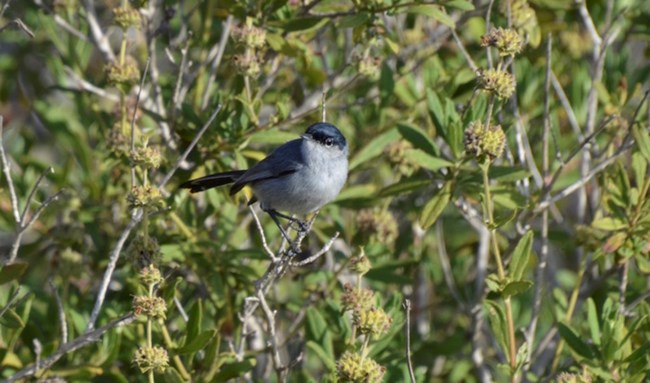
307	136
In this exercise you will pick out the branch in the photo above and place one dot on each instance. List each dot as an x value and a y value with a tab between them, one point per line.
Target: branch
82	341
182	158
98	36
7	173
136	217
407	329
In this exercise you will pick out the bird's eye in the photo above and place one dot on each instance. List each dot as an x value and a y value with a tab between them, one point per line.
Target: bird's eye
329	142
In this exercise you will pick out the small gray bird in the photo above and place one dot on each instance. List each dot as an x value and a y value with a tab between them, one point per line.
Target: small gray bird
298	177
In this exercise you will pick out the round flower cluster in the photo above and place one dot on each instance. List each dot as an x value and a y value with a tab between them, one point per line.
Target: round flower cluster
151	359
352	367
153	307
498	82
484	142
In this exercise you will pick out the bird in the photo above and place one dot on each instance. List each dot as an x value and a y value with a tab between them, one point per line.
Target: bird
298	177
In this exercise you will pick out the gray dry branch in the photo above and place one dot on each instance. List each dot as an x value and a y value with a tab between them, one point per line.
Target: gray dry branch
279	266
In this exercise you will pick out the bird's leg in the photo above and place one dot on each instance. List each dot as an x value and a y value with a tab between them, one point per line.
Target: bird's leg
302	225
274	216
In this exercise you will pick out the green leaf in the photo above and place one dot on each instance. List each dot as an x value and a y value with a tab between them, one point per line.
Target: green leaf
424	160
573	340
515	288
521	257
497	319
463	5
272	137
317	330
194	321
355	20
12	271
507	173
172	376
592	319
435	206
437	113
609	224
434	11
640	166
418	138
642	140
11	320
234	369
197	343
323	355
374	148
304	24
403	186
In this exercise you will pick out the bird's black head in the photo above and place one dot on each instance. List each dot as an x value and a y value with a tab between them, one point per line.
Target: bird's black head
327	135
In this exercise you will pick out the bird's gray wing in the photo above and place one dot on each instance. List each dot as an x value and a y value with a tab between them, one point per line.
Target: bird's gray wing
285	160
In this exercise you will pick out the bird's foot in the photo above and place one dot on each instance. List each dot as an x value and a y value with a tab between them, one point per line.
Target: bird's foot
299	226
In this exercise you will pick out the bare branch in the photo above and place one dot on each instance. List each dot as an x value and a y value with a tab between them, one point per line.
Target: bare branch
28	202
217	61
541	266
265	245
280	369
136	217
61	311
7	173
98	36
135	113
87	338
191	146
407	330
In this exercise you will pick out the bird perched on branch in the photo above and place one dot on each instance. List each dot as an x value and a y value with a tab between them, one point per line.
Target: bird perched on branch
298	177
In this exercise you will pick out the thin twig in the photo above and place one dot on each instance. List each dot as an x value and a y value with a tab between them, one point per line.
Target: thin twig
280	369
582	181
12	299
7	173
467	56
407	329
23	226
61	312
176	98
135	113
20	25
265	245
541	266
191	146
28	202
85	339
318	254
99	38
212	75
136	217
446	266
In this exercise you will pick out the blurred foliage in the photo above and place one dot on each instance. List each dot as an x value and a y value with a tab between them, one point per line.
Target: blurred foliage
403	93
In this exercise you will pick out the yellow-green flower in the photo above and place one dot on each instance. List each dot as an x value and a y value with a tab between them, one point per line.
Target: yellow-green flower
152	307
507	41
126	17
151	359
499	82
126	74
146	197
352	367
373	321
484	143
354	298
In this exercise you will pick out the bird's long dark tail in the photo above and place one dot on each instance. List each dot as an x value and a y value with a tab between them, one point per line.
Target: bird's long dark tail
212	181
